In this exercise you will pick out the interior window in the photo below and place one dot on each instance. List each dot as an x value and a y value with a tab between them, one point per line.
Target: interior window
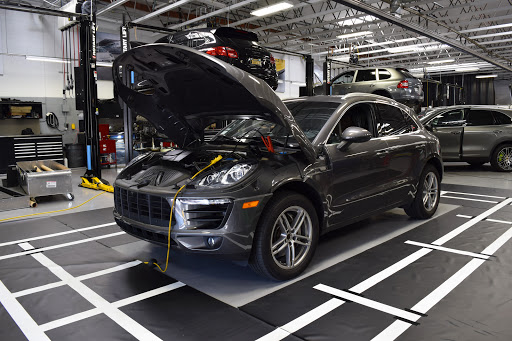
449	119
357	116
501	118
390	121
479	118
344	78
384	74
366	75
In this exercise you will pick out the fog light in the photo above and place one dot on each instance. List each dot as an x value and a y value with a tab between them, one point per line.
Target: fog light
213	242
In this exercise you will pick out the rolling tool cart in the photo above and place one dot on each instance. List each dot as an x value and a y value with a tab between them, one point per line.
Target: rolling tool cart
47	177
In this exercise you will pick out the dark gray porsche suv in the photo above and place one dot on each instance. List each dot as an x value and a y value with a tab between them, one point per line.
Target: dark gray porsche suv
281	174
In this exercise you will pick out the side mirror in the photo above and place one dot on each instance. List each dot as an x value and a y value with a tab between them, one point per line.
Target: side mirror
354	135
429	127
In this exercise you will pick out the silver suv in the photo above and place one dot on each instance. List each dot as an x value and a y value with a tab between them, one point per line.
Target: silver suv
395	83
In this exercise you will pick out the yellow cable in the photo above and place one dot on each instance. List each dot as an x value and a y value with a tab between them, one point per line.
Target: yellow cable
40	213
214	161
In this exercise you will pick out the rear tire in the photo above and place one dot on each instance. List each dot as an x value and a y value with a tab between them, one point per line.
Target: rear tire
286	237
501	159
427	195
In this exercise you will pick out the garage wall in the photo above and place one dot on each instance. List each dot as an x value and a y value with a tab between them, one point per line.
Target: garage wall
295	74
502	92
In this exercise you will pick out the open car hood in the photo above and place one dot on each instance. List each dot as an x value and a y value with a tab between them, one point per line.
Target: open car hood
181	91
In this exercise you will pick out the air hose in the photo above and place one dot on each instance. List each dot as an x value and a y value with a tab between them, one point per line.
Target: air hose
214	161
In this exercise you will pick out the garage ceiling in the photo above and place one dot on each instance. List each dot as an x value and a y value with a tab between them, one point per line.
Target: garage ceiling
483	29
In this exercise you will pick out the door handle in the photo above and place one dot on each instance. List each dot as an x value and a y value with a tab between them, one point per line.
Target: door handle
456	132
349	87
498	131
372	85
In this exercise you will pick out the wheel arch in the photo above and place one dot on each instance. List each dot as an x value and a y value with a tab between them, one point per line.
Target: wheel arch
309	192
434	161
497	145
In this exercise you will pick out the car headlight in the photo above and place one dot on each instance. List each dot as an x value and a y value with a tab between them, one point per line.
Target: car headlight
226	177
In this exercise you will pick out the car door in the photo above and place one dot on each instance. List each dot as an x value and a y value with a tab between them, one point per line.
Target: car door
342	84
357	170
448	127
405	146
365	81
480	134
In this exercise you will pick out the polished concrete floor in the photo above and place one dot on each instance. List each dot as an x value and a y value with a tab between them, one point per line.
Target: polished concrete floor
231	284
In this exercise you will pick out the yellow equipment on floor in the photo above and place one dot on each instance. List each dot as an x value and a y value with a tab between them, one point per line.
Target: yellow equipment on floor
95	183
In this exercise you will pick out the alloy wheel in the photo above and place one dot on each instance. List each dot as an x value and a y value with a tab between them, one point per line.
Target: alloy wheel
505	158
291	237
430	191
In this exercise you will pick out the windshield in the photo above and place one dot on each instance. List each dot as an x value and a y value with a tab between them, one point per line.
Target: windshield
310	116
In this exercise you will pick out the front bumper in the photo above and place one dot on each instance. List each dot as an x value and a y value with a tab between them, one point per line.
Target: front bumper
231	240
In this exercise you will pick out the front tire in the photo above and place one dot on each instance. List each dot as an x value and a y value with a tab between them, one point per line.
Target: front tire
286	237
427	195
501	159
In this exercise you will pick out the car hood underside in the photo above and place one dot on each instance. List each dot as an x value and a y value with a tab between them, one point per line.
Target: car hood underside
181	91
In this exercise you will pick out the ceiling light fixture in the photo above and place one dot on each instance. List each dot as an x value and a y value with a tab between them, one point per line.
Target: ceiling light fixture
441	61
46	59
280	6
355	34
468	69
486	76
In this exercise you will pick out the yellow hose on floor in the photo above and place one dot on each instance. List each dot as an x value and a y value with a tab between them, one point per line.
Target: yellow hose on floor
214	161
41	213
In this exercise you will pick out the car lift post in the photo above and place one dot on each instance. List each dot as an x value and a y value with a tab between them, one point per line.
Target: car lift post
88	60
327	75
127	113
310	65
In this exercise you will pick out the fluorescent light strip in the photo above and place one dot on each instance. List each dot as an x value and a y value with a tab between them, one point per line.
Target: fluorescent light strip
441	61
471	69
111	6
280	6
486	76
355	34
161	10
105	64
47	59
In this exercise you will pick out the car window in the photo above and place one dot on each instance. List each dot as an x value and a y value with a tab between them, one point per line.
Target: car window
501	118
406	73
384	74
391	121
310	116
479	118
448	119
365	75
357	116
344	78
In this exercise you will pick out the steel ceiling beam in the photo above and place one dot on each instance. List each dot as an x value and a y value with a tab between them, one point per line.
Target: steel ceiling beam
161	11
361	6
110	7
214	13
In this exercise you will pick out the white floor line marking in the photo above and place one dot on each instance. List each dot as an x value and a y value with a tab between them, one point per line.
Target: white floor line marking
303	320
55	234
476	195
70	319
123	320
80	278
148	294
118	304
24	321
314	314
459	198
465	216
447	249
499	221
344	295
471	222
396	329
28	252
